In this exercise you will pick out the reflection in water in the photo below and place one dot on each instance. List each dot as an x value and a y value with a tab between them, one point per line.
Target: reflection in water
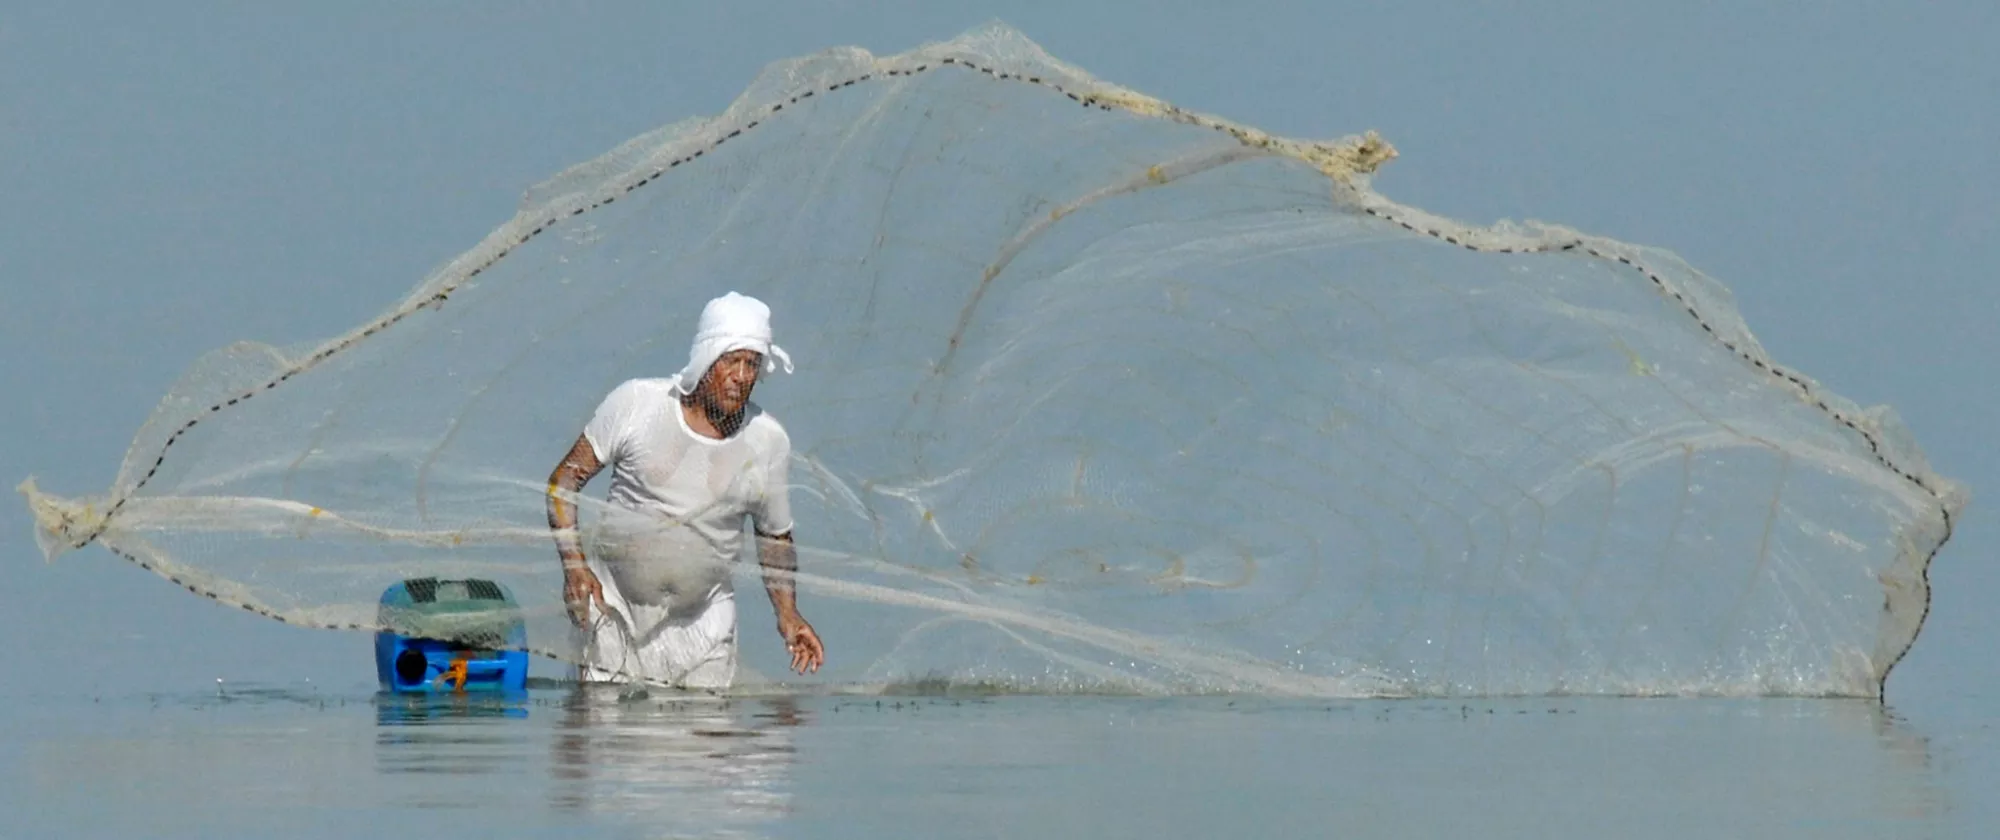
683	764
687	764
1908	754
416	709
422	741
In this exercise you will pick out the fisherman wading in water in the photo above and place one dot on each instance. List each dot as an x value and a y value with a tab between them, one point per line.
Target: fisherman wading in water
691	458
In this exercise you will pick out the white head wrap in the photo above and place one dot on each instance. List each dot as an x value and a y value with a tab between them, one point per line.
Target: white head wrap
729	323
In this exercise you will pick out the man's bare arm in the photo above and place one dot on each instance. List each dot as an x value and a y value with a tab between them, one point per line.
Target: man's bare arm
779	558
780	561
576	470
580	586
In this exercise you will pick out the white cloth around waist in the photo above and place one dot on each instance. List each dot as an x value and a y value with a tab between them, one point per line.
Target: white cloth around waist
683	642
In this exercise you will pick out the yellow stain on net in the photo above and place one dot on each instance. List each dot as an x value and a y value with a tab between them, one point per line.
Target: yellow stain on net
1175	576
1335	160
1633	362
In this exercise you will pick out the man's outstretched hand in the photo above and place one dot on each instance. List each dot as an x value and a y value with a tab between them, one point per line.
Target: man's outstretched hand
802	642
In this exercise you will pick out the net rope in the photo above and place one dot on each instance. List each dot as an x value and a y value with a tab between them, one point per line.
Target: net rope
1095	393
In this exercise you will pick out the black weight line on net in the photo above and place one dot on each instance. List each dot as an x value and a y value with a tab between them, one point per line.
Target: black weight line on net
1169	112
438	299
1797	383
274	615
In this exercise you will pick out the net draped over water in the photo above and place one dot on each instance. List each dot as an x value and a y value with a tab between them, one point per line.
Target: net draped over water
1092	393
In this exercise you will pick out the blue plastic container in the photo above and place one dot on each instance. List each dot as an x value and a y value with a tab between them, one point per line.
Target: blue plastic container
454	636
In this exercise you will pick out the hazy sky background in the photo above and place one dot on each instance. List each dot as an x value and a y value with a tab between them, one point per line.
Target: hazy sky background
175	179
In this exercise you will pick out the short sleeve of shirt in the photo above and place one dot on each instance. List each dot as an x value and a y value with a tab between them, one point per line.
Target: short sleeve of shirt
613	423
774	510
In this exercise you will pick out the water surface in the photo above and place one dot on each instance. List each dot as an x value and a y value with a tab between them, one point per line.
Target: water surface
301	762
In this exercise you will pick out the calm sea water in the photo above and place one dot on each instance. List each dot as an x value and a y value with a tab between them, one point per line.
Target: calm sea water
296	761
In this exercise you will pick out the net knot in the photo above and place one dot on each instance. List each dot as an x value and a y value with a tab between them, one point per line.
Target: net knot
61	524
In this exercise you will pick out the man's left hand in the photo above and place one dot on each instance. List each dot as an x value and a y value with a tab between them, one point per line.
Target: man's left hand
802	642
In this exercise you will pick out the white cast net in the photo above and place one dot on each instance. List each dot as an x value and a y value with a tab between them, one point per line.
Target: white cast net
1092	394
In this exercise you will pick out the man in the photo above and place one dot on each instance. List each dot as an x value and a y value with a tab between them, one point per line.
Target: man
691	458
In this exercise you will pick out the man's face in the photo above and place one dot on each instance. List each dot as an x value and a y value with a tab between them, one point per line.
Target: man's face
731	378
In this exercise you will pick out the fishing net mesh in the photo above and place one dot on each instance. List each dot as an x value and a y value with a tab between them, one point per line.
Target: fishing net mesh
1093	393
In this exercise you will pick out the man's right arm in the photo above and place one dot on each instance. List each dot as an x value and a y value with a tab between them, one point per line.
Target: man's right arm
580	586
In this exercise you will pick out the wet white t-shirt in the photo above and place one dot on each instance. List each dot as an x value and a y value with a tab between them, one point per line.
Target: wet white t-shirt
678	499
